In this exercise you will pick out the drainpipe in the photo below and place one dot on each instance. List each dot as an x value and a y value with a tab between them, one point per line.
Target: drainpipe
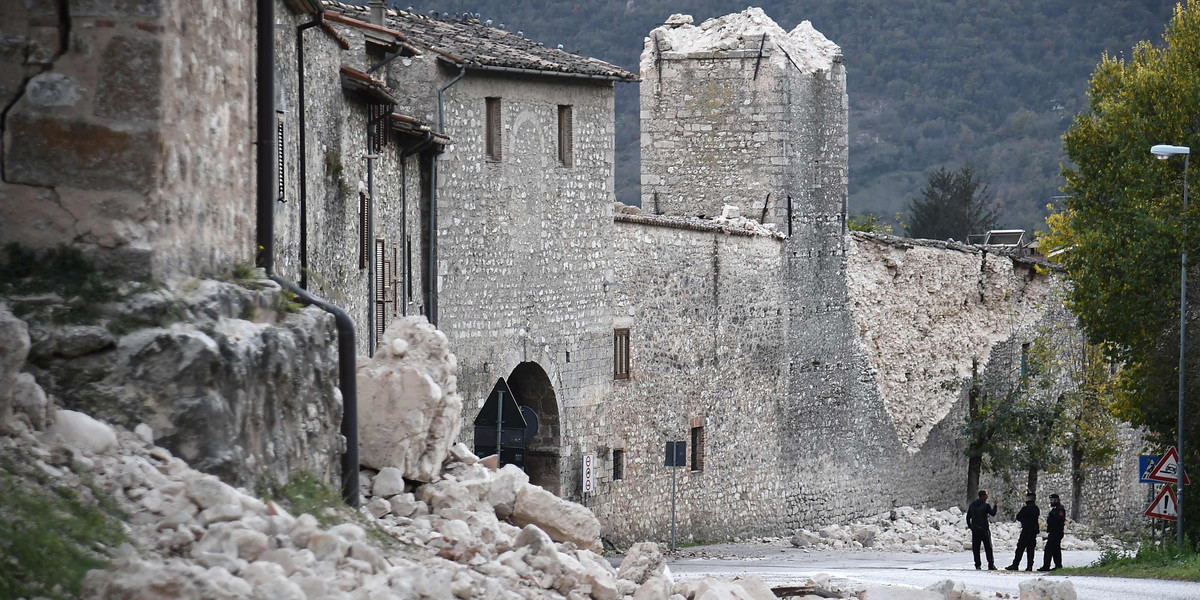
462	72
370	234
420	146
265	239
303	148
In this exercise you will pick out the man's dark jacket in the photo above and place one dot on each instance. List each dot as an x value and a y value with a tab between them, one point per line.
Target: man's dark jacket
977	515
1028	518
1056	520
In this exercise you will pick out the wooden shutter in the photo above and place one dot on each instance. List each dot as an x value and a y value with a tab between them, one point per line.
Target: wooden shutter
494	143
566	137
383	270
621	354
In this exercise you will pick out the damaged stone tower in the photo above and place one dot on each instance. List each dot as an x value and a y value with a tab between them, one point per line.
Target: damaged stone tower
737	111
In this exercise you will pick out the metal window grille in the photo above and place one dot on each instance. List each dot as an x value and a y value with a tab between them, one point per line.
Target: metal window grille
364	235
279	156
395	281
618	465
494	143
566	138
377	115
698	448
621	354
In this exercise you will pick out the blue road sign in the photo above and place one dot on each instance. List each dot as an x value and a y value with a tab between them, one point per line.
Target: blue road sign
1146	464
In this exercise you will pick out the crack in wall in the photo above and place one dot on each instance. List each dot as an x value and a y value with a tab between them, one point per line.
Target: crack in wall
64	39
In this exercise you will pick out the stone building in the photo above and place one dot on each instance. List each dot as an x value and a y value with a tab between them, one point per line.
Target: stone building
440	166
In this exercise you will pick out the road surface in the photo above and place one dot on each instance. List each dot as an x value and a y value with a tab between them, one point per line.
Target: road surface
781	566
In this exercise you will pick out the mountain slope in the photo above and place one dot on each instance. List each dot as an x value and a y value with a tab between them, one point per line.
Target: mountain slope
931	83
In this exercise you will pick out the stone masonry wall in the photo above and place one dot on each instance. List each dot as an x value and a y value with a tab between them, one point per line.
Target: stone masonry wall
523	263
708	348
127	132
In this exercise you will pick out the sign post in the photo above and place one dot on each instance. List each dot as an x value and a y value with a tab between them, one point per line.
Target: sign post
676	457
589	476
1167	471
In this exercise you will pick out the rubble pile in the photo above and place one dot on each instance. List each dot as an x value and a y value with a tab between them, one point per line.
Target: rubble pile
926	530
804	46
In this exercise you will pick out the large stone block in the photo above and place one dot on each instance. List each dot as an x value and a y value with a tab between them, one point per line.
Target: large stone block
408	399
562	520
130	80
52	152
14	348
136	9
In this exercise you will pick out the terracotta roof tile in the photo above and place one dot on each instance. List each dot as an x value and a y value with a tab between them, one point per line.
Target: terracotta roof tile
474	44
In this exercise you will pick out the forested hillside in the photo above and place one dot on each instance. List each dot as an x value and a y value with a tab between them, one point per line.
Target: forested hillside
931	83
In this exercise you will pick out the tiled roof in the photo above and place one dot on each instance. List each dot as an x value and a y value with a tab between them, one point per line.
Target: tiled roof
476	45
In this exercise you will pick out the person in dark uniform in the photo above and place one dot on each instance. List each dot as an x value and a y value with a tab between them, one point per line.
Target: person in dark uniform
1056	521
1027	543
977	521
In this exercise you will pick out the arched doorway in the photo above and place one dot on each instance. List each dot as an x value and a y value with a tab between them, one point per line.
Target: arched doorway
532	388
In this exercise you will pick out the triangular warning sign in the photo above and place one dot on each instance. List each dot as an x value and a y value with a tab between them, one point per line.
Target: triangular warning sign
1164	505
1167	469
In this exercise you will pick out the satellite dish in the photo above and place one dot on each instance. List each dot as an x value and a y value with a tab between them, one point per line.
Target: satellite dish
531	423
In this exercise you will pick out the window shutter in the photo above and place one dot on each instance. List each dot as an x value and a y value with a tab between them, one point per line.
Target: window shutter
364	241
494	142
382	268
279	156
566	136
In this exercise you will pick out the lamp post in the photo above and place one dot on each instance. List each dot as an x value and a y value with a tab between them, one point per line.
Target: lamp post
1163	152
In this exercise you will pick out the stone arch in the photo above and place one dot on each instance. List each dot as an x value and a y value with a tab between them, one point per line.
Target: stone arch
532	388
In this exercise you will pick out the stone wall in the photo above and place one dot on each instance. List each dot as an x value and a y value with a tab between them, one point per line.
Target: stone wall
227	375
522	247
708	348
128	133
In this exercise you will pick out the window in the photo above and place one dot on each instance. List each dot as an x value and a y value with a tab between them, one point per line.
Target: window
621	354
408	269
493	129
565	141
384	273
279	155
364	235
697	447
618	465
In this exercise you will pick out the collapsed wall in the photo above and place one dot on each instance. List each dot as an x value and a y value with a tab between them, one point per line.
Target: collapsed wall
928	314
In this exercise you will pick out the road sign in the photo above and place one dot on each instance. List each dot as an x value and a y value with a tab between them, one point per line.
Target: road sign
589	473
1167	469
676	454
500	428
1146	464
1164	506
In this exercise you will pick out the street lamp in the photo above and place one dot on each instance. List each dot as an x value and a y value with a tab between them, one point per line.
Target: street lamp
1163	152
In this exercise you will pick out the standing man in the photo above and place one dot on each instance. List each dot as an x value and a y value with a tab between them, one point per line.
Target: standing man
1056	521
977	521
1028	518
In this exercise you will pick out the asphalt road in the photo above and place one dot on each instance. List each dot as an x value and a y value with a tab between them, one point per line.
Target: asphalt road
880	569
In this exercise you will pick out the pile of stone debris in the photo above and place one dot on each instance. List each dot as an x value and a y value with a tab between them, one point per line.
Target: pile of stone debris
927	530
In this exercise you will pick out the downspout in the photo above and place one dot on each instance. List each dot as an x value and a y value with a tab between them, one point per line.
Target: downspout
420	146
265	239
303	148
370	234
432	310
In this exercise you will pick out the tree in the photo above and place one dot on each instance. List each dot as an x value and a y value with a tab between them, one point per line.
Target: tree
954	204
1123	222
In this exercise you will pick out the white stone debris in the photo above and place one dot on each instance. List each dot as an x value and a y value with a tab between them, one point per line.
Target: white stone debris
470	531
925	530
1047	589
804	46
411	392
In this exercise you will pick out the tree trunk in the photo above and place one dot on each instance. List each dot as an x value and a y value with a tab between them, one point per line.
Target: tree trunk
1033	478
974	458
974	466
1077	476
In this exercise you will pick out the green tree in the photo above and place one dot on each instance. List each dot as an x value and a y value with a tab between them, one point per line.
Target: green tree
1123	223
953	204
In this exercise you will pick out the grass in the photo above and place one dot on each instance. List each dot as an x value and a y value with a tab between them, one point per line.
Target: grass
50	537
1151	561
305	493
